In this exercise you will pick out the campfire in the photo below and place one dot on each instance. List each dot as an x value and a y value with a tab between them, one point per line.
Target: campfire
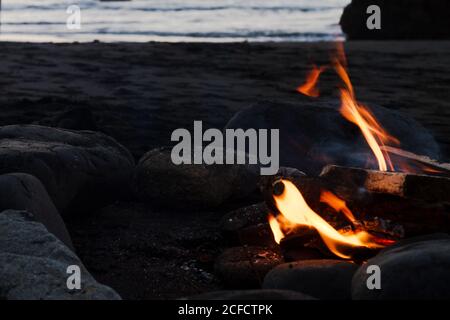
387	174
295	211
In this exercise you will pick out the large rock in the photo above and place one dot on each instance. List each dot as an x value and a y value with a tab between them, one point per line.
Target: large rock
158	180
21	191
33	263
415	268
323	279
76	168
313	133
408	19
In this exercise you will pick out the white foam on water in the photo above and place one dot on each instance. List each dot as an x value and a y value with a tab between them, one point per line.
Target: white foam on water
173	20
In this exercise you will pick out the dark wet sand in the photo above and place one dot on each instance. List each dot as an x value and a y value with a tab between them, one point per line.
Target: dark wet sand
141	92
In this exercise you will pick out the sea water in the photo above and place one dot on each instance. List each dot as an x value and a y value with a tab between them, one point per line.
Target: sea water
173	20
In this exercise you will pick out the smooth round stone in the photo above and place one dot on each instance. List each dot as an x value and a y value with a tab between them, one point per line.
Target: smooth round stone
34	263
21	191
79	169
245	267
323	279
415	268
158	180
313	133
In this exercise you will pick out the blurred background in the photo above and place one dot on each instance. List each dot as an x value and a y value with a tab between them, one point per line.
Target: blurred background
174	20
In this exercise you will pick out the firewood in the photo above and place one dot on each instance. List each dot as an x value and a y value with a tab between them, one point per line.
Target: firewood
407	185
302	244
433	166
419	203
310	186
409	216
417	217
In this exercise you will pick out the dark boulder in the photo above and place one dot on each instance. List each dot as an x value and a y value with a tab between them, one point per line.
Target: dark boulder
412	269
323	279
34	263
313	133
160	181
78	168
400	19
21	191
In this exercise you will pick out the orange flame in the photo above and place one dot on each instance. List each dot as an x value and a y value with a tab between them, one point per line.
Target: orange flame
379	140
278	235
309	87
293	207
353	111
337	204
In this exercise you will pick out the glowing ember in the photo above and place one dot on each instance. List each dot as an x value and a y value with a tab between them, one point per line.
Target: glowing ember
309	87
293	207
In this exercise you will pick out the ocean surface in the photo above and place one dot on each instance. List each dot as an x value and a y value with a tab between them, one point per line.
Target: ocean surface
173	20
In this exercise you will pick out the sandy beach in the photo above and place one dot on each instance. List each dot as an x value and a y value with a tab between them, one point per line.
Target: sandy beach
139	93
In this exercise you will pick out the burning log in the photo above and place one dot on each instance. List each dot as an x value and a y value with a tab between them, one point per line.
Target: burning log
311	186
294	212
386	205
303	202
428	165
405	185
303	243
378	200
306	243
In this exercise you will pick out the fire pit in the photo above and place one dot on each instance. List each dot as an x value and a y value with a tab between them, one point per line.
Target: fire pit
394	177
345	213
